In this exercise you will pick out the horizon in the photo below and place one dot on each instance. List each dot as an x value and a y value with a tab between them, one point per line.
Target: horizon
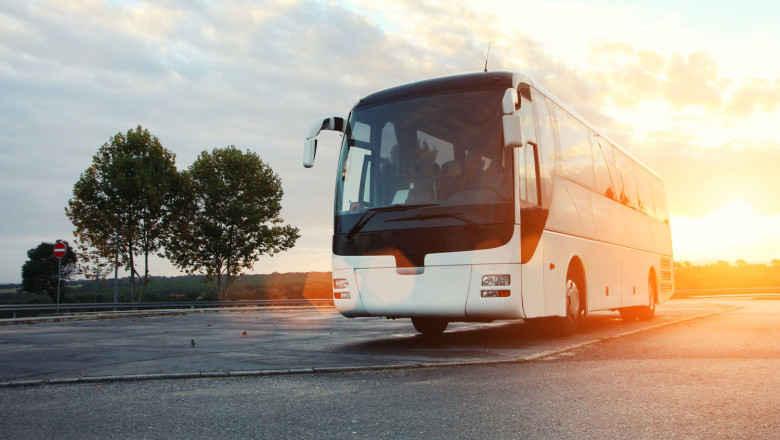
677	85
80	278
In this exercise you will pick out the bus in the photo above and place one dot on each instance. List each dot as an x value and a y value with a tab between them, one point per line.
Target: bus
482	197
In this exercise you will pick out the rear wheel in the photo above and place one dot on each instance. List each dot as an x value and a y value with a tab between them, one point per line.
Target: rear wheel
642	313
646	313
430	326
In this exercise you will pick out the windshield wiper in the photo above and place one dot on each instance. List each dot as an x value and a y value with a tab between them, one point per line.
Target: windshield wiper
371	212
455	215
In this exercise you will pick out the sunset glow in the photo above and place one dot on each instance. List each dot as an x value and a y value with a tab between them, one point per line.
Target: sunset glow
689	88
727	234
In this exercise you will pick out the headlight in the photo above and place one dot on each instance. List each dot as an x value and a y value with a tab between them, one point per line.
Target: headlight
495	280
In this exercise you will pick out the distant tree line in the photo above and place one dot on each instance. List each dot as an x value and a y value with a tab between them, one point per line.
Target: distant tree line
317	285
723	275
296	285
216	218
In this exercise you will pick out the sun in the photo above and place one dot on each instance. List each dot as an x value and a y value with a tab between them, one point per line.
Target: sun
732	232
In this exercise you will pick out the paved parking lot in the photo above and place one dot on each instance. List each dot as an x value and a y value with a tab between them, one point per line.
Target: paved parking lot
279	340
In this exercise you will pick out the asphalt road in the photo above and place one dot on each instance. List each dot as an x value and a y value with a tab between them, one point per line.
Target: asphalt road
712	377
271	341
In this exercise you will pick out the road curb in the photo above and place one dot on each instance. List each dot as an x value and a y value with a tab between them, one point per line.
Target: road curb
349	369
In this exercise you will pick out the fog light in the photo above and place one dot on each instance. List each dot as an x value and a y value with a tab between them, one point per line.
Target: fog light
340	284
495	294
341	295
495	280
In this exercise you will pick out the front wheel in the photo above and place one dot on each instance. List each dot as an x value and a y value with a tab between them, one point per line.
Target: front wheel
430	326
567	325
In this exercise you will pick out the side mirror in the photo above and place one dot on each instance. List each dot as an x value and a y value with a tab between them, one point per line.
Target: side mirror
333	123
310	146
509	102
309	151
513	134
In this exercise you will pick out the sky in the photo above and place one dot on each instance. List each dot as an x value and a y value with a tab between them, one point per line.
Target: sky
690	87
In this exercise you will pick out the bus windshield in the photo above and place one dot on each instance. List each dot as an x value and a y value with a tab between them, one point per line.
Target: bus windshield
441	152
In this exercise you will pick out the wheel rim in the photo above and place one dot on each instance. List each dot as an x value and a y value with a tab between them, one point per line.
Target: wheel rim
572	300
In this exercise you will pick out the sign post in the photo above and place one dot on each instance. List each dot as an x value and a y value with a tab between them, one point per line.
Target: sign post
59	251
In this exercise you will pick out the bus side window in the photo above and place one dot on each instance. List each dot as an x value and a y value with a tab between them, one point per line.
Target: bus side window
659	199
546	151
575	157
644	192
604	161
529	163
628	191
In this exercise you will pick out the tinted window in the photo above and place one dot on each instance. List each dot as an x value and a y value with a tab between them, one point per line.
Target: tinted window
575	159
644	192
659	199
606	170
356	179
443	149
628	191
546	137
528	165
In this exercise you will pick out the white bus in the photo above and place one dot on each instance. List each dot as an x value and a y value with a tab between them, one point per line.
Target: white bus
482	197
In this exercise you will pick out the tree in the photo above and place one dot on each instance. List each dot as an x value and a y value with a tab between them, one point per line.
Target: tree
230	217
39	273
122	203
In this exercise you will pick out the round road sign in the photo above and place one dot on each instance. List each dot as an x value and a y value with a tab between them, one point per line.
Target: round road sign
60	249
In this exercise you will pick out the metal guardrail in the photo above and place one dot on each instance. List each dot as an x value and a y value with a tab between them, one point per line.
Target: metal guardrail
93	307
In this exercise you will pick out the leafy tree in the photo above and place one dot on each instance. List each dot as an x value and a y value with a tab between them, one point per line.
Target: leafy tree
230	217
123	200
39	273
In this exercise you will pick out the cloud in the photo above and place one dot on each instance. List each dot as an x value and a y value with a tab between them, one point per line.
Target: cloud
635	75
753	96
198	76
254	74
702	180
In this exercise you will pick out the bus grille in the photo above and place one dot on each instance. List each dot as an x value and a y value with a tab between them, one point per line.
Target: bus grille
666	284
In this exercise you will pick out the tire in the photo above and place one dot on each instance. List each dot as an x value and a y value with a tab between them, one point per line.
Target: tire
642	313
430	326
567	325
646	313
